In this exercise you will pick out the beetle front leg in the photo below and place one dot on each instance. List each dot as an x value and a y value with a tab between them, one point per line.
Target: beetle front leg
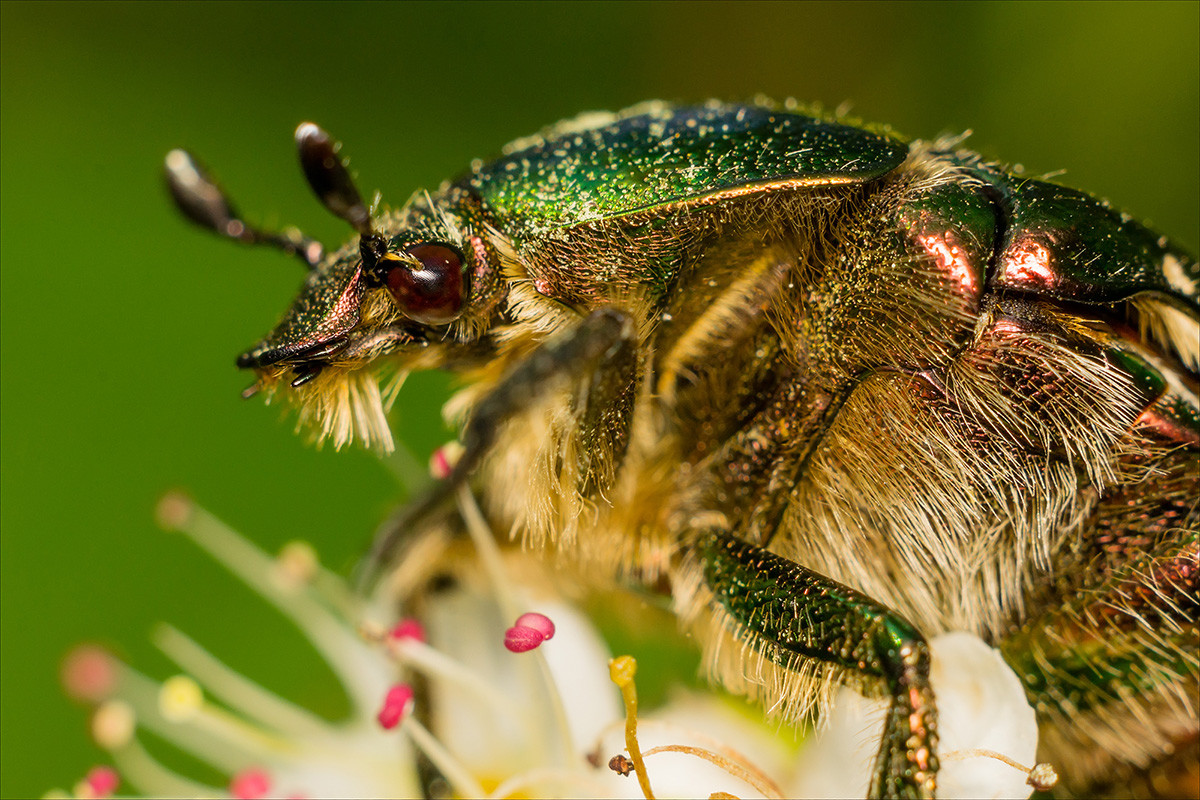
786	611
600	339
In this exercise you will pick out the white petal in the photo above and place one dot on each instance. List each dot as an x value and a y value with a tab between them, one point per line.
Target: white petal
981	705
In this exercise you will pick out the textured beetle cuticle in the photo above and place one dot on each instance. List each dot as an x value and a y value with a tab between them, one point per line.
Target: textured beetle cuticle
840	395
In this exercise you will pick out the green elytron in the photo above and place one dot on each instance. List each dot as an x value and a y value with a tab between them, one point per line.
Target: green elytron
835	392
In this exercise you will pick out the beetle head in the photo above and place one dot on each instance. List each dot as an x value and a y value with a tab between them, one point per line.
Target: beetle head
415	286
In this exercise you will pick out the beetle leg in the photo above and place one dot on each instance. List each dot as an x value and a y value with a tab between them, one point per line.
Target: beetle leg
1112	673
729	319
788	612
1111	661
758	420
603	335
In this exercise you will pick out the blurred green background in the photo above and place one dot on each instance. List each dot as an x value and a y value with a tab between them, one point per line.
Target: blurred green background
120	322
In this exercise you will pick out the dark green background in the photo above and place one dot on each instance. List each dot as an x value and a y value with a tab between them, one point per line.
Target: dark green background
120	323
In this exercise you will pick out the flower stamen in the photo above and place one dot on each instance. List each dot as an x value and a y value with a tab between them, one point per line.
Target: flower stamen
539	622
113	724
493	565
102	781
443	460
296	565
89	674
450	767
530	630
250	784
180	699
622	669
522	639
407	629
414	653
397	705
743	772
1042	777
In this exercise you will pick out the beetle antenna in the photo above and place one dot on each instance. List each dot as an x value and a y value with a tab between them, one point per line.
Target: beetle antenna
199	199
329	178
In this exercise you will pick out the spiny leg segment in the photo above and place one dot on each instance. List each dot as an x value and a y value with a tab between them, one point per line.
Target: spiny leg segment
790	611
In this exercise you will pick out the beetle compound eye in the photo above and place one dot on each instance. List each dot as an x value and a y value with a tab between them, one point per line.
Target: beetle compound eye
434	291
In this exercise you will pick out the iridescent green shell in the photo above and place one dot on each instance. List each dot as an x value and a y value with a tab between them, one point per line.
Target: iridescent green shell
659	160
1065	244
659	157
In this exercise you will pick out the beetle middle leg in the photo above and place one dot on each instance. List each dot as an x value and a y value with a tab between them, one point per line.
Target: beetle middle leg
788	613
797	620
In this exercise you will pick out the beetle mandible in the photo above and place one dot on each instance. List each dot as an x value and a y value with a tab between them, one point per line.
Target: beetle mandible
834	391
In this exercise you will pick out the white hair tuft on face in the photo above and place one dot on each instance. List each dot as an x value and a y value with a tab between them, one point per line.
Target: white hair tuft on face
349	405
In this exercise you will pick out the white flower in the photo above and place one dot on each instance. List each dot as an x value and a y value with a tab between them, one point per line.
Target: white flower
536	724
267	745
517	695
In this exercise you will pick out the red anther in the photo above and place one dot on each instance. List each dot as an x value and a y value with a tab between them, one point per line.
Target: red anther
102	781
442	462
396	706
407	629
439	465
250	784
539	622
522	638
89	673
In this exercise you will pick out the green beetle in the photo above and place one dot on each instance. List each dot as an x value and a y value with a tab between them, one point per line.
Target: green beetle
833	391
